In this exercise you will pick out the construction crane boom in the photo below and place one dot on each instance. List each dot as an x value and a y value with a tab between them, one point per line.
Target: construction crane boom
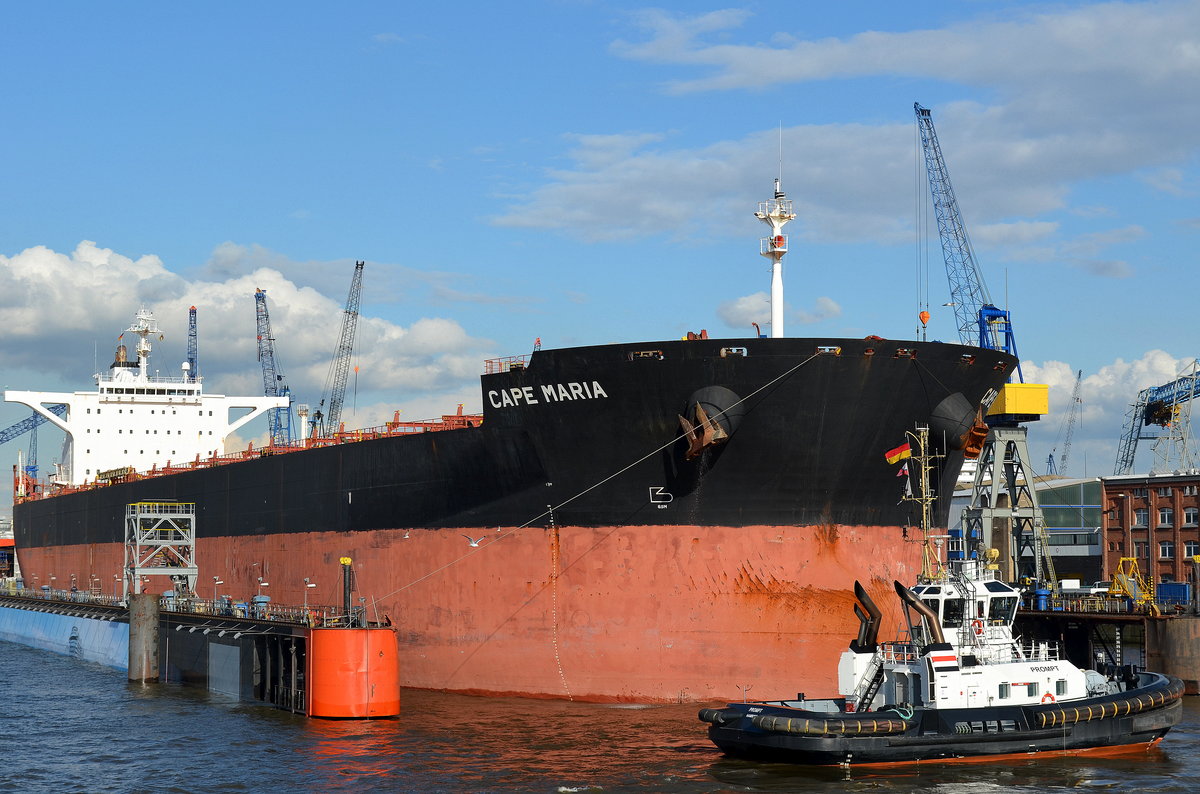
193	349
339	368
1072	418
26	425
279	420
979	321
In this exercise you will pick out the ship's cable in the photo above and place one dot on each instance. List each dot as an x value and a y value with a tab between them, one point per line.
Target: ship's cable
551	508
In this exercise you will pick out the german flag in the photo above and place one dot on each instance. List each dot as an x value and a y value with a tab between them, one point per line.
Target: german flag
899	453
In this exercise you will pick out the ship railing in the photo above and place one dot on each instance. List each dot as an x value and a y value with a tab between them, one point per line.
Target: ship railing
1039	650
1098	603
312	615
899	652
493	366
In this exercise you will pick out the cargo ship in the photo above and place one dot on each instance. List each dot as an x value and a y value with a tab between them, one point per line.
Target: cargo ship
614	525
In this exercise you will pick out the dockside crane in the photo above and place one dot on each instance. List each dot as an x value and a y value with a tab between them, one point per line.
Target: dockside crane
193	349
1004	512
339	368
26	425
1072	417
30	426
279	420
1168	407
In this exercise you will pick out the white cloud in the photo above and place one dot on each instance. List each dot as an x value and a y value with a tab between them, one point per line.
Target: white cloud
1106	397
824	309
741	312
1080	94
94	292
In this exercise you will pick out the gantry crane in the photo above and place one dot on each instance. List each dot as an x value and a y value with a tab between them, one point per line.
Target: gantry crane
279	420
1072	417
1168	407
1004	512
339	368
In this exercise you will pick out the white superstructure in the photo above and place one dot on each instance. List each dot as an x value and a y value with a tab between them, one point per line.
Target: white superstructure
138	420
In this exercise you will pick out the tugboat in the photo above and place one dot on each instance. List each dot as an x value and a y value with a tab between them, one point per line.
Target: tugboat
957	684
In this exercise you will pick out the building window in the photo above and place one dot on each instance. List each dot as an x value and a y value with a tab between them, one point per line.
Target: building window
1191	548
1166	550
1164	492
1139	492
1166	516
1004	689
1191	516
1141	517
1189	490
1141	548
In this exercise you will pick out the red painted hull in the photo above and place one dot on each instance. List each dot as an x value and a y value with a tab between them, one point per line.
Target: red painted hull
645	614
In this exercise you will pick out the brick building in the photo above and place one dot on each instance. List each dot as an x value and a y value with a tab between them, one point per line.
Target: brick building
1156	519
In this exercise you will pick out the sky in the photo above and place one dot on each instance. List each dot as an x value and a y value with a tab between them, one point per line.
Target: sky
586	172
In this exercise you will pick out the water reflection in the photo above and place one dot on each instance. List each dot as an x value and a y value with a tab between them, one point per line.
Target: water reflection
81	728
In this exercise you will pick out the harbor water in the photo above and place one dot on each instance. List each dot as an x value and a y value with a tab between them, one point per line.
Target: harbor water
70	725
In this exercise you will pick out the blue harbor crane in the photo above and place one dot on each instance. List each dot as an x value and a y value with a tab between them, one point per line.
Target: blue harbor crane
979	321
1167	407
1003	493
339	368
193	352
279	420
30	426
1072	416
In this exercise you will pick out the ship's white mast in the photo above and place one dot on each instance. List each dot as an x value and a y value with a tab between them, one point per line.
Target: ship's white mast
775	212
144	324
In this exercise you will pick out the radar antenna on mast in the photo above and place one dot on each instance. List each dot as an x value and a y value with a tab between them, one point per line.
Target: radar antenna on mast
775	212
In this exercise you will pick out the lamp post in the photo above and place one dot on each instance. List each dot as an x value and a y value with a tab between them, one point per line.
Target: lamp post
116	585
216	581
52	578
262	584
307	585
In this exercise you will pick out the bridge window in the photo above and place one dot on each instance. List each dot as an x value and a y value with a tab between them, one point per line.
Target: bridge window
1060	687
1002	609
1031	689
1004	691
953	614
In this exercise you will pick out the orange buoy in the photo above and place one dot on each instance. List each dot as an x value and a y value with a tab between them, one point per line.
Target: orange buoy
924	315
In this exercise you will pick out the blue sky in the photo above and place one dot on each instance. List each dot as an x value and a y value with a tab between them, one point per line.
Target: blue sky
586	172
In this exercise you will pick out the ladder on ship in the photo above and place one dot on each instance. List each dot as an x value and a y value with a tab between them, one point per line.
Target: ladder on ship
869	686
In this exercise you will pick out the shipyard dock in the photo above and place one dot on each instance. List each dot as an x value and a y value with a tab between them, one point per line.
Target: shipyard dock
311	660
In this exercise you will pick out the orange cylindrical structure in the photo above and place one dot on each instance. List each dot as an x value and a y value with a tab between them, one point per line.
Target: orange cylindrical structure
353	673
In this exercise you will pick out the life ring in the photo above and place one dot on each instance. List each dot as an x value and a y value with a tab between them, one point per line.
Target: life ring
1047	698
779	241
977	627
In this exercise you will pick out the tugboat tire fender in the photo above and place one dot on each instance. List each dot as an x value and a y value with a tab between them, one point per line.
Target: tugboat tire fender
806	726
1169	691
720	716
